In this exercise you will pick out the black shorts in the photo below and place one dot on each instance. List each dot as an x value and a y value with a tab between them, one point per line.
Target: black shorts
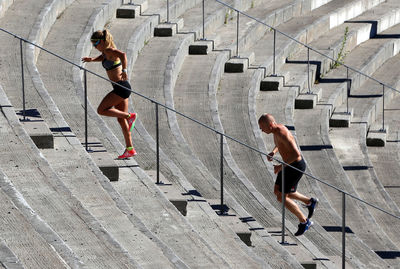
292	176
120	91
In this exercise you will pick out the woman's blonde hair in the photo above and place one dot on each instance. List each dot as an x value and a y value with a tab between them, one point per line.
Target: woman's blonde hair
104	35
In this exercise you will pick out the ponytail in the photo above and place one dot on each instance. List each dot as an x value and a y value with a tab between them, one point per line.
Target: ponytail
108	39
106	36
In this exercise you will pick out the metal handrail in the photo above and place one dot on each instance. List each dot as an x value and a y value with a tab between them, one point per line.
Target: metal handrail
222	135
198	122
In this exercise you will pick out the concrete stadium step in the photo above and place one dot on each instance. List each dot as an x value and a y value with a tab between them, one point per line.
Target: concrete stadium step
384	159
62	107
283	108
183	235
303	117
358	168
179	248
188	89
273	13
220	22
4	5
317	148
365	102
144	70
248	162
359	29
74	231
132	10
374	53
104	160
172	258
22	243
11	82
8	258
36	127
86	182
306	27
333	40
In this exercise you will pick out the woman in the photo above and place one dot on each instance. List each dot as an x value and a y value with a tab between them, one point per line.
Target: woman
115	103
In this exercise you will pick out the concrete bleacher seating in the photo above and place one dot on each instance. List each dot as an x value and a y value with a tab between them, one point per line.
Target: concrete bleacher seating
383	159
235	117
160	67
65	224
178	248
343	148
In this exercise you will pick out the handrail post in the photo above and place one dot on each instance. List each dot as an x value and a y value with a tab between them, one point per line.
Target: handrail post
23	81
383	107
348	91
222	172
283	203
167	11
86	111
274	62
157	146
237	35
343	230
203	21
308	70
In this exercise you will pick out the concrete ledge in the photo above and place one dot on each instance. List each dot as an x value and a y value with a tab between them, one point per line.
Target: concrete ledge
173	195
239	64
305	101
271	84
37	129
308	100
376	137
238	227
168	28
128	12
201	47
309	265
232	221
340	118
103	159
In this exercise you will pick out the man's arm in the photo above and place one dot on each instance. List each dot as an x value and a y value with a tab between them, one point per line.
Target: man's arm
272	153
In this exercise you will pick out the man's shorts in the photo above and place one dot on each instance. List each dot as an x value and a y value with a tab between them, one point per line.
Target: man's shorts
292	176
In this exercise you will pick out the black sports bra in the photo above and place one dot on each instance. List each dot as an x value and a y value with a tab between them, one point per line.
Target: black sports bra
109	65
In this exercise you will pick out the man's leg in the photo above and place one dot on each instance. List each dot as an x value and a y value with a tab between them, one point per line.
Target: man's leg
300	197
290	204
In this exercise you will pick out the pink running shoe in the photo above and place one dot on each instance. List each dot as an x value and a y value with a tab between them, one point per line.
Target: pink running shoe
131	121
127	154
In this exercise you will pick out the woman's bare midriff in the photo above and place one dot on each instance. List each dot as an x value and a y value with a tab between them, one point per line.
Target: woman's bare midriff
115	74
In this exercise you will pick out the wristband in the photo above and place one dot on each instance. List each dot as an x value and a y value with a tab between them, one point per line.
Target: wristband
124	70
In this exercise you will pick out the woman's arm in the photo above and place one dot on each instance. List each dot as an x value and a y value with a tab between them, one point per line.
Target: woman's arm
90	59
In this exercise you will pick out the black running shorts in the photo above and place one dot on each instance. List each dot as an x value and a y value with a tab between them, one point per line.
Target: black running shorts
120	91
292	176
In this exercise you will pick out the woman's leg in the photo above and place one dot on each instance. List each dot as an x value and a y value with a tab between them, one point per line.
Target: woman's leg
123	122
108	106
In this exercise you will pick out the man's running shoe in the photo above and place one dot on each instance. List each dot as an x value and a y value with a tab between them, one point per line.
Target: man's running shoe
131	121
312	206
127	154
303	227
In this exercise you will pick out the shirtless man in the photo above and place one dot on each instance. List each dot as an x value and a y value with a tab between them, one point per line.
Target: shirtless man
286	145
